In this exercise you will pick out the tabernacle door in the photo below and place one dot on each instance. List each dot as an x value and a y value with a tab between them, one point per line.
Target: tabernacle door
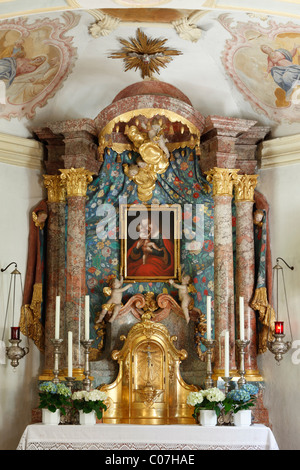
149	388
149	383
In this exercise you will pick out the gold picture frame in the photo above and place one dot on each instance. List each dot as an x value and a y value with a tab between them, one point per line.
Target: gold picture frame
150	242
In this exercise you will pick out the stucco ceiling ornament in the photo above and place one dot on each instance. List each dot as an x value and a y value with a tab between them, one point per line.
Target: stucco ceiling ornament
187	28
104	25
144	53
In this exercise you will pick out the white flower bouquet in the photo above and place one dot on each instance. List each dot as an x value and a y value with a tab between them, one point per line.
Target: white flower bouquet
209	399
90	401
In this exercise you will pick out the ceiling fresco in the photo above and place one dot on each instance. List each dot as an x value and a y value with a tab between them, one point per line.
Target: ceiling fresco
239	60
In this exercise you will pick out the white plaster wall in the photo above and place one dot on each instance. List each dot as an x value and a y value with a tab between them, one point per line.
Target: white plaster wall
20	191
281	187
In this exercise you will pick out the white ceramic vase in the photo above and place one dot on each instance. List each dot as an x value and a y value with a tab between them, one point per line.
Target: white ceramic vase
207	418
50	418
87	418
242	418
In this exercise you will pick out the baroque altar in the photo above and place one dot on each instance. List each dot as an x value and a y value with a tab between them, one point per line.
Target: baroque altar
151	147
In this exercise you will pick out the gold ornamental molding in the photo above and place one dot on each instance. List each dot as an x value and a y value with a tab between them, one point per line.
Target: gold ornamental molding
222	180
55	187
244	187
149	113
76	180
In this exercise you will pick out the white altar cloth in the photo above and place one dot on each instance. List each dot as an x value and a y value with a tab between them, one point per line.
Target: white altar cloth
121	437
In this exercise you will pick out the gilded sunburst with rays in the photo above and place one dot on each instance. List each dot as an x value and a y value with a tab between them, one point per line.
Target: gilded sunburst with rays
144	53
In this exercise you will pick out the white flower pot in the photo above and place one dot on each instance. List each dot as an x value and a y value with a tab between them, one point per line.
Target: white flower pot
208	418
242	418
87	418
50	418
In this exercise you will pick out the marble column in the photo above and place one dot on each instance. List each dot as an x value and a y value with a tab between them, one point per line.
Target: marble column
55	270
222	182
76	181
245	268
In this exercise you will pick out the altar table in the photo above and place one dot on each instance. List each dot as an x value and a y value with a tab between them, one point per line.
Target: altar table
130	437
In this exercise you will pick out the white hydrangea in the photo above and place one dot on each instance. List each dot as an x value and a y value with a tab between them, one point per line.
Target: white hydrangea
194	398
211	394
214	394
78	395
93	395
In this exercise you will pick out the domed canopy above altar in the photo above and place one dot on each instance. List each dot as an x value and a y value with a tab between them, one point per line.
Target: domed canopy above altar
145	100
152	87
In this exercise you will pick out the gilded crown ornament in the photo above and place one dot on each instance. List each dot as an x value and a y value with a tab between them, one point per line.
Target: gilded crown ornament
144	53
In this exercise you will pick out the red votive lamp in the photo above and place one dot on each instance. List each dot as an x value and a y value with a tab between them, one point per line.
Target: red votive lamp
15	332
279	327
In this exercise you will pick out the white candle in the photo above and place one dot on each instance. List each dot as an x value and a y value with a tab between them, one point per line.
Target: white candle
87	317
242	321
226	354
70	354
57	316
208	317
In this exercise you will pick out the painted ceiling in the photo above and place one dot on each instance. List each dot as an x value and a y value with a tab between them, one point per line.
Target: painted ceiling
240	60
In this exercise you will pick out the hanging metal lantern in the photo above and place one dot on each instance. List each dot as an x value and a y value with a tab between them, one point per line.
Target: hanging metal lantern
278	346
14	352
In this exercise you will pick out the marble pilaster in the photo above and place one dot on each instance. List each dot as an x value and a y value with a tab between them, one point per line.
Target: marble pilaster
245	267
222	182
76	181
54	149
55	270
218	141
80	143
247	146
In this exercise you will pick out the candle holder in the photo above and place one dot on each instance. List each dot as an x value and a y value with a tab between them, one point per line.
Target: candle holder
71	417
227	381
70	382
87	346
279	347
209	344
57	344
15	352
242	344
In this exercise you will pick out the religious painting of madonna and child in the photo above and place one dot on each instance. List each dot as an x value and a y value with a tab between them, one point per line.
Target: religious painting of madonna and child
35	58
150	242
263	61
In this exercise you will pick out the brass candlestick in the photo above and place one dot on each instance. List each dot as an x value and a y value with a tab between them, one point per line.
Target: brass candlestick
86	381
227	381
242	344
70	382
209	344
57	344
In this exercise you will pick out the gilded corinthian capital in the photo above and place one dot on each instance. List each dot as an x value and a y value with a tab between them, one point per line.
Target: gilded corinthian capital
76	180
244	187
222	180
55	188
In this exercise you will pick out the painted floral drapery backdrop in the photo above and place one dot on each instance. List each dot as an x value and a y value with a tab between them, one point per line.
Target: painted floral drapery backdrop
182	184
